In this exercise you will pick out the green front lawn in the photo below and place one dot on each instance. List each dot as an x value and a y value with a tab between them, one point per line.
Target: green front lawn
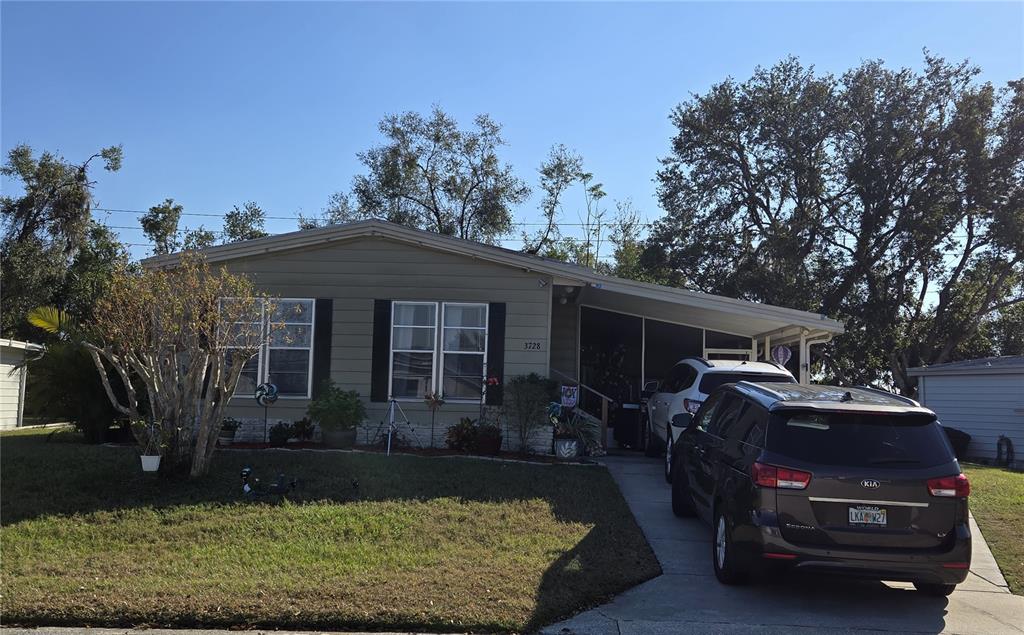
369	541
997	501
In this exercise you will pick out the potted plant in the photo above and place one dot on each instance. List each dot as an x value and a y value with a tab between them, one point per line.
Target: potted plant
304	429
280	433
337	412
462	436
573	433
228	427
150	456
488	439
566	445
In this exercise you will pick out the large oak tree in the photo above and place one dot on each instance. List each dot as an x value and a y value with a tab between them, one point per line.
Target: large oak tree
431	174
889	198
51	251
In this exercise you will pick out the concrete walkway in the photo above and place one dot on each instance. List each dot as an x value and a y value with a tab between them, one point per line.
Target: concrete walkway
688	599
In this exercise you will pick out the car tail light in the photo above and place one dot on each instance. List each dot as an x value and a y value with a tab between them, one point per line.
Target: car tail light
779	477
950	486
691	405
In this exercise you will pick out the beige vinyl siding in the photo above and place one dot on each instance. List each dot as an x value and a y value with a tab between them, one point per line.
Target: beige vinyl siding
355	273
984	405
564	337
11	387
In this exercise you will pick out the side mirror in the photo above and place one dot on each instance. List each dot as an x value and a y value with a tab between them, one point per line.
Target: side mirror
650	388
684	421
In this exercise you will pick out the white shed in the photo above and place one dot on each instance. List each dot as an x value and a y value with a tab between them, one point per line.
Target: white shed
982	397
12	381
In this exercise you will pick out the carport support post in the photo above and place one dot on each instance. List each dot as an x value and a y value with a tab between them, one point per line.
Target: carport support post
805	358
604	423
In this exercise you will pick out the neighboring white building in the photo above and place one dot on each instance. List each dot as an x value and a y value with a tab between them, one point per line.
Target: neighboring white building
982	397
12	381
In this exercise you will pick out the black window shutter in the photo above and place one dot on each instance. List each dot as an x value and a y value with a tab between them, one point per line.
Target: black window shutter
323	313
380	362
495	351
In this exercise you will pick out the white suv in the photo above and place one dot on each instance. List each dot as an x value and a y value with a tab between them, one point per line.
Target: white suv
685	388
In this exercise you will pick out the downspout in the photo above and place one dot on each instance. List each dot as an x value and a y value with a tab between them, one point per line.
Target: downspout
805	354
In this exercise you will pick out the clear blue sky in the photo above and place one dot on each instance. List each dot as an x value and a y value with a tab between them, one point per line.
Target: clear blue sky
219	103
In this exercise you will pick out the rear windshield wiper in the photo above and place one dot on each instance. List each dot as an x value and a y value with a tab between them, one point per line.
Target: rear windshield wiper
892	460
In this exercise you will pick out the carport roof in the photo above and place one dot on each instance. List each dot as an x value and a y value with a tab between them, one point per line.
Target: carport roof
759	318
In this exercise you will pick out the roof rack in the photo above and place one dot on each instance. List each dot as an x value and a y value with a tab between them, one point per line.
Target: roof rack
906	400
699	359
767	391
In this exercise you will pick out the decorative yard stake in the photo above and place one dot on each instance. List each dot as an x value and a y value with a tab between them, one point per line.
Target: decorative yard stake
265	395
434	401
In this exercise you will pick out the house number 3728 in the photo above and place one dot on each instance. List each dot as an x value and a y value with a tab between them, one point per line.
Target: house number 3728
531	346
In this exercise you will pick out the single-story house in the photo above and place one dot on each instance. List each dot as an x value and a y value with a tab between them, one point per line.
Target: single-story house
397	313
982	397
13	374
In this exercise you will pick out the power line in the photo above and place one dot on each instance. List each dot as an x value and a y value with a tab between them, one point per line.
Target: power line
296	218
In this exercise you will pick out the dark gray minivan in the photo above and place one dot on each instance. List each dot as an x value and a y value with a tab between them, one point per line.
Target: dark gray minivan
853	481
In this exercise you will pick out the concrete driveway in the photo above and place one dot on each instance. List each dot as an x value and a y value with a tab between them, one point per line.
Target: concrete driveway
688	599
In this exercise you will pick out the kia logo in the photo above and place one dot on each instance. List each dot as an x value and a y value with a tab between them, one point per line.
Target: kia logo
870	483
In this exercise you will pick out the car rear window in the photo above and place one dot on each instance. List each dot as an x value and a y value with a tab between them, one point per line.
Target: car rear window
710	381
859	440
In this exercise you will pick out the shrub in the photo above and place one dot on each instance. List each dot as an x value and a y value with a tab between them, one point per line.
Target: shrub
526	399
304	428
334	407
230	424
577	426
462	435
64	384
469	435
280	433
488	439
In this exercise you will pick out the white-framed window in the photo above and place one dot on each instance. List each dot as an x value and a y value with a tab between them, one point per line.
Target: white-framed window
289	353
252	371
463	351
286	358
438	347
413	348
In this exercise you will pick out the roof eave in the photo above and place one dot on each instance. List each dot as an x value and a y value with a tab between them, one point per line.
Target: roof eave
20	345
372	227
926	371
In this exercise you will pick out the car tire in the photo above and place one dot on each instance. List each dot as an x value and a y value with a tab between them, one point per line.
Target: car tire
650	445
729	567
669	459
682	502
934	590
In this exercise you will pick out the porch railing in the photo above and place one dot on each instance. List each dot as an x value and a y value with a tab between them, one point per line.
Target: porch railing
606	401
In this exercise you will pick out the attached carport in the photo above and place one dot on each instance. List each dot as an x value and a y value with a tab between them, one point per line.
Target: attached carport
611	336
661	325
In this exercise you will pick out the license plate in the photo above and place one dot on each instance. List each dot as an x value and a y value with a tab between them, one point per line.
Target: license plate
867	515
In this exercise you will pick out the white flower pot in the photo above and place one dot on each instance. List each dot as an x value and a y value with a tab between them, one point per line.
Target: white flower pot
150	463
567	448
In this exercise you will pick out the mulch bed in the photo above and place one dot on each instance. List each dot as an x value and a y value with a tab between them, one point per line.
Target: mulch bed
439	452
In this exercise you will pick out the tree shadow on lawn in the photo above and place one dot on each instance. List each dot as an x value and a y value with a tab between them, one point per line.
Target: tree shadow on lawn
42	479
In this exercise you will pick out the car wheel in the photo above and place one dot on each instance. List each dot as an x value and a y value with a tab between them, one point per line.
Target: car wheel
934	590
650	446
669	459
727	562
682	502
